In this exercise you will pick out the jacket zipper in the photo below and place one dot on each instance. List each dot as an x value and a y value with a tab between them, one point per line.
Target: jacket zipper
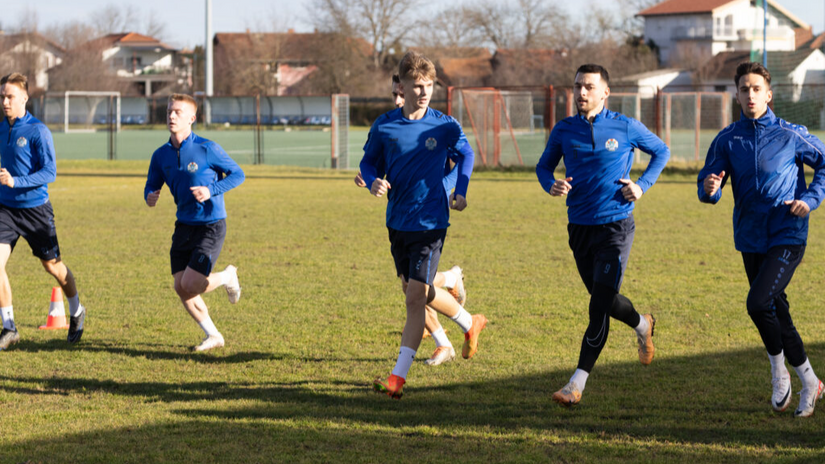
592	135
756	154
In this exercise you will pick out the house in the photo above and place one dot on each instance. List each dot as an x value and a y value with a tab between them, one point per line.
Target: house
792	72
688	33
648	83
31	54
459	66
287	63
145	62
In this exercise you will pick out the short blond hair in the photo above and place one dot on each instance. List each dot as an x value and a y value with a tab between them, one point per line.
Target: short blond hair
184	98
414	66
16	79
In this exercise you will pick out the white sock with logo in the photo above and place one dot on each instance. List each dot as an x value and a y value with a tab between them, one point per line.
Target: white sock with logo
806	374
8	317
208	326
580	377
405	359
440	338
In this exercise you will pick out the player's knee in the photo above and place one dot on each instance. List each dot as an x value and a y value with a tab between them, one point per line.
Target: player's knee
759	303
53	267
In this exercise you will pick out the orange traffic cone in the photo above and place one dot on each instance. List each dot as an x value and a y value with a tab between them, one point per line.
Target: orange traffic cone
57	312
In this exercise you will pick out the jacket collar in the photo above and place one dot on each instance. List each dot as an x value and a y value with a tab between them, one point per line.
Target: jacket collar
185	141
600	115
22	120
766	120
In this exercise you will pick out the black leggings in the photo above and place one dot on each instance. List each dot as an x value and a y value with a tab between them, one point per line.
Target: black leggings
769	275
605	303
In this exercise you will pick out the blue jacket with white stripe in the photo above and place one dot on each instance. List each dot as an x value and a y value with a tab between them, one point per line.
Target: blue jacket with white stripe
764	158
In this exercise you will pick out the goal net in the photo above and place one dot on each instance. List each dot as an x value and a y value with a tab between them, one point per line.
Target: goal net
495	117
85	112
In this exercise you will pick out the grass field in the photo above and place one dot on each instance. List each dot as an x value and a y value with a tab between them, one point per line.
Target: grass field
321	316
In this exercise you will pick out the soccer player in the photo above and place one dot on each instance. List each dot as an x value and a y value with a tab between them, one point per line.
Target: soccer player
28	165
412	144
452	280
763	156
597	146
198	173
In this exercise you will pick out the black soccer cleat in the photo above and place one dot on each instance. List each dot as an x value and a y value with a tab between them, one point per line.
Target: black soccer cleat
8	338
76	327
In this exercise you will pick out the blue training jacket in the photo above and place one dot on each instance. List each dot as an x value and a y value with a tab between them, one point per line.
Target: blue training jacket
197	163
764	159
596	155
27	152
414	156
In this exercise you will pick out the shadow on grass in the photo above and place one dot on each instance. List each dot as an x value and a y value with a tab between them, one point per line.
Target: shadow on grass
708	408
147	351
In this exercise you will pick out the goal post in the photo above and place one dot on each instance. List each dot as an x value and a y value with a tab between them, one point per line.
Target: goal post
82	107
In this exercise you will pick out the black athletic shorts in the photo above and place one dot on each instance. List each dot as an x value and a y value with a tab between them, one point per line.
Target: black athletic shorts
36	225
416	254
197	246
602	251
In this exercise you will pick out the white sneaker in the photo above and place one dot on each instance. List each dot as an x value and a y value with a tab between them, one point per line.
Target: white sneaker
233	287
441	355
212	341
781	397
807	400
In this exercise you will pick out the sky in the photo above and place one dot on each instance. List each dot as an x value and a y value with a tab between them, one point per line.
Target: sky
185	18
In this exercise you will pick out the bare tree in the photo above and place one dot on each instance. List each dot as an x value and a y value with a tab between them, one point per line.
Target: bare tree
376	21
114	18
449	29
517	23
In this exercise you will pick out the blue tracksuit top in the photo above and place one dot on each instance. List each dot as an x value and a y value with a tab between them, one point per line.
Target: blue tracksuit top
27	152
414	156
197	163
764	158
596	155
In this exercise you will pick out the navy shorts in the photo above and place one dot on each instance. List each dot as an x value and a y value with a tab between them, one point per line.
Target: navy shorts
602	251
36	225
197	246
416	254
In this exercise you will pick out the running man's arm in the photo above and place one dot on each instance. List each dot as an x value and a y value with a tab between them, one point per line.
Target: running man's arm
647	141
154	182
222	163
712	177
811	151
43	159
547	165
371	163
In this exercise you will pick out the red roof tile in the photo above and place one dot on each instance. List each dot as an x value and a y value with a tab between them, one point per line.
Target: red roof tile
669	7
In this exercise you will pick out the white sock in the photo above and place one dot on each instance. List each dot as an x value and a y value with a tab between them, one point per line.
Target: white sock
778	369
74	305
404	362
641	329
450	279
224	276
806	374
440	338
463	319
580	377
208	326
8	317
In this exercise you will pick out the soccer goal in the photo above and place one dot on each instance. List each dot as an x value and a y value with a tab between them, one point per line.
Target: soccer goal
97	114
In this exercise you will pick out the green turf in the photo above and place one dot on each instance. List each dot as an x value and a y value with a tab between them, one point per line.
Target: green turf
321	316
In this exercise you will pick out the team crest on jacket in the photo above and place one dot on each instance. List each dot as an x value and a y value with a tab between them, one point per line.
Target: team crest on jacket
192	167
430	144
22	142
611	144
